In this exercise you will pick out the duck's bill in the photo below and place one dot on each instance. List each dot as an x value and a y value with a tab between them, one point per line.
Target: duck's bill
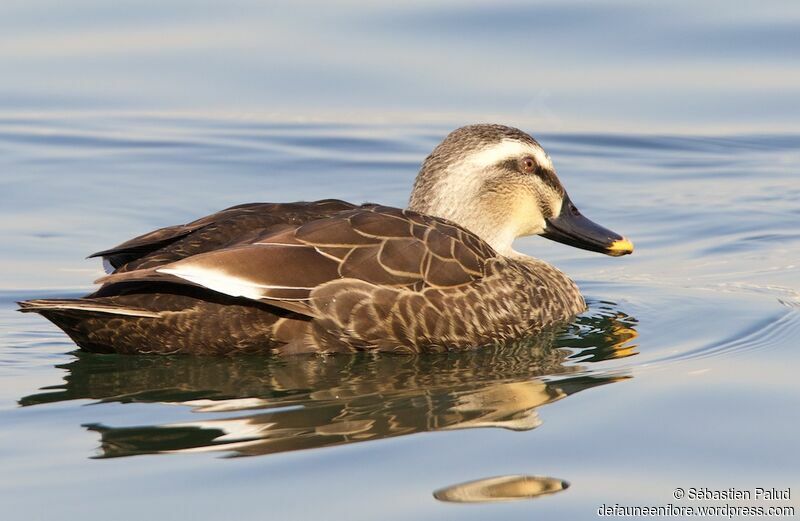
571	227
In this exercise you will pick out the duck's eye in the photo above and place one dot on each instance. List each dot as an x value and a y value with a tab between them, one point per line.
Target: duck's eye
527	165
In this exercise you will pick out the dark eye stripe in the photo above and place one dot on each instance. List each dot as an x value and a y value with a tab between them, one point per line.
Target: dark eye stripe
545	174
509	164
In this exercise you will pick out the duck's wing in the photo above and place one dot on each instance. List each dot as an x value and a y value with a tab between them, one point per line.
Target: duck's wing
236	225
386	247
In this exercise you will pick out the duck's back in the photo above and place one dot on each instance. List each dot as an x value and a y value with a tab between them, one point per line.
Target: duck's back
236	225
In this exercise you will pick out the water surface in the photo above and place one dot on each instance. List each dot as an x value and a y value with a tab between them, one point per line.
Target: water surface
681	373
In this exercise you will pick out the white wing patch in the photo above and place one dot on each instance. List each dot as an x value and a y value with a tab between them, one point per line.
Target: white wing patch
225	283
217	280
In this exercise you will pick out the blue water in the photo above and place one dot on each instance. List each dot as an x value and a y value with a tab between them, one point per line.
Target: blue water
675	125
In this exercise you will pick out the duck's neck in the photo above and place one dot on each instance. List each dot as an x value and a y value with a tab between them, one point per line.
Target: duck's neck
462	204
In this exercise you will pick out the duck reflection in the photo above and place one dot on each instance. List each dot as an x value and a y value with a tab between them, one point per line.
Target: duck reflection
257	405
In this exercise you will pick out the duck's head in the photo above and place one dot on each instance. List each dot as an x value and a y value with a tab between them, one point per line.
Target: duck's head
499	183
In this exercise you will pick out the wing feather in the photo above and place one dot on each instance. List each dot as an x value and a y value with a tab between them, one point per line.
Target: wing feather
233	226
384	247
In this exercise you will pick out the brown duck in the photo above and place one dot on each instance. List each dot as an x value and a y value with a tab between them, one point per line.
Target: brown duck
330	276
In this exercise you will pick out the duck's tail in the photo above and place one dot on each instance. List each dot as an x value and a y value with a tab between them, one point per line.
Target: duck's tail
169	323
80	306
79	318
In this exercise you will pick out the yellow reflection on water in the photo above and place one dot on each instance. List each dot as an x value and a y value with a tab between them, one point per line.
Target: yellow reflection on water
501	488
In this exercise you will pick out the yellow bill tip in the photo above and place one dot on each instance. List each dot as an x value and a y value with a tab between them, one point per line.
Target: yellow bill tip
621	247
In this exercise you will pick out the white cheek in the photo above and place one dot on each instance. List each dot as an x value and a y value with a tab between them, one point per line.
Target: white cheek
538	227
533	222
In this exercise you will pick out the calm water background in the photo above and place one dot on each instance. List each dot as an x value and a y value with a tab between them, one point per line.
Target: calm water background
675	125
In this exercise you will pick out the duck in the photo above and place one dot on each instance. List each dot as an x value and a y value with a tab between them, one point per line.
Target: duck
331	276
